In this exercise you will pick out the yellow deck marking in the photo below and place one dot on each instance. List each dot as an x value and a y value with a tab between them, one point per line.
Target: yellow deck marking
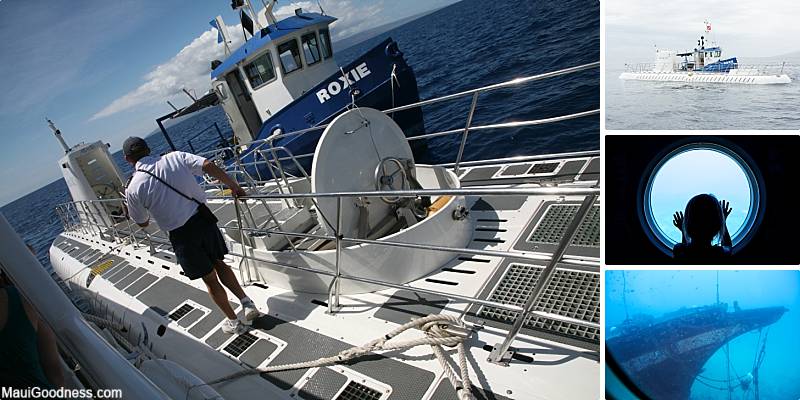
102	267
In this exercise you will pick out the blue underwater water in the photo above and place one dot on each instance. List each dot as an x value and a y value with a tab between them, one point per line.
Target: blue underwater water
655	293
463	46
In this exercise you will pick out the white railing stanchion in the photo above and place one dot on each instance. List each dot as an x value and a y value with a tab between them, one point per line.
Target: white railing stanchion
333	296
466	130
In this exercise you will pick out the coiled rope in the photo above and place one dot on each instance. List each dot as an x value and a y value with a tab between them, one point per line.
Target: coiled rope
435	327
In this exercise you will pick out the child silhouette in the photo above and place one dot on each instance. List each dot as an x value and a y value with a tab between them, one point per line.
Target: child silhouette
704	221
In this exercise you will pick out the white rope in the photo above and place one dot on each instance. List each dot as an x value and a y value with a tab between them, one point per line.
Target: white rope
436	335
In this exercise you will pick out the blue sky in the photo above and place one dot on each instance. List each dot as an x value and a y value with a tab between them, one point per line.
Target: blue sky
104	70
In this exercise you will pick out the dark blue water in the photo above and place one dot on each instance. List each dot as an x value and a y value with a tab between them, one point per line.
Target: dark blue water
656	293
466	45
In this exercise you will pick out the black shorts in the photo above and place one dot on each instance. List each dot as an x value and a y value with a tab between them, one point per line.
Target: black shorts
197	245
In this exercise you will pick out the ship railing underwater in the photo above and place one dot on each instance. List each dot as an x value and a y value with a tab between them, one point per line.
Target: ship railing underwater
93	216
760	69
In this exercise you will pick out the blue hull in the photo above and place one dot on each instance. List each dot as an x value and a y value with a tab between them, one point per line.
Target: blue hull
320	105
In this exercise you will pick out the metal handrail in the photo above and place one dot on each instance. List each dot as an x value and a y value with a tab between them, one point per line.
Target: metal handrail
761	68
87	219
475	92
340	239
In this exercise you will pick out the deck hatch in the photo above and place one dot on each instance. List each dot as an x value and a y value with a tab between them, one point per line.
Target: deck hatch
357	391
543	168
571	293
555	221
181	311
240	344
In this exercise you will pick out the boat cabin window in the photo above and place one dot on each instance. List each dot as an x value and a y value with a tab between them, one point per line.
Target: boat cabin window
290	57
260	71
717	53
325	43
311	48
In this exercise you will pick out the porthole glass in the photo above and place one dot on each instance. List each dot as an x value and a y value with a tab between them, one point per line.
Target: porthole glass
696	169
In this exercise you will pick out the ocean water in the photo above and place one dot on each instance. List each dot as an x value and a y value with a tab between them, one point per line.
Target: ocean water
463	46
656	293
690	106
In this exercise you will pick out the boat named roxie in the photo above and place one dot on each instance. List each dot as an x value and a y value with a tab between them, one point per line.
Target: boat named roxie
704	64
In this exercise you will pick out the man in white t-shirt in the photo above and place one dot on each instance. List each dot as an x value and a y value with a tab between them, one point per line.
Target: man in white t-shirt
165	188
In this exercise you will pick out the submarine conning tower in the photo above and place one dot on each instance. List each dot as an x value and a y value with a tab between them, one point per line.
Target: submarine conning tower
91	176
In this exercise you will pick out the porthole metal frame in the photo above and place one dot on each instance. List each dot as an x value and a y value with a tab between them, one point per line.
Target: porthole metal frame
740	238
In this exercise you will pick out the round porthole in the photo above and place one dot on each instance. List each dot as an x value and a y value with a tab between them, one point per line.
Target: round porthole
697	168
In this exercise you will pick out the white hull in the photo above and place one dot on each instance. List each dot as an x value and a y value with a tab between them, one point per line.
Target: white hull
706	77
139	290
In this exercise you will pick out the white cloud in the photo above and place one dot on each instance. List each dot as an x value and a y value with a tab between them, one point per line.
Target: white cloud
351	18
191	67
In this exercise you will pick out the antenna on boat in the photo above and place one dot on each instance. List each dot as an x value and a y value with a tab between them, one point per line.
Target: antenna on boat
57	132
319	4
271	20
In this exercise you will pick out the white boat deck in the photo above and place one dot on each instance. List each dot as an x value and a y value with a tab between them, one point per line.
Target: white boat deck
554	360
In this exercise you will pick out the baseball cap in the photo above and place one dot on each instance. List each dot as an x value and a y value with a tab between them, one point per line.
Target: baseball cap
134	145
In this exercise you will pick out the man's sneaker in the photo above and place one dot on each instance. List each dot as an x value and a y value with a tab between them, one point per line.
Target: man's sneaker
232	326
250	311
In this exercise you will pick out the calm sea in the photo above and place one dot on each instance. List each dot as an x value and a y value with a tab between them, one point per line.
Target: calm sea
691	106
466	45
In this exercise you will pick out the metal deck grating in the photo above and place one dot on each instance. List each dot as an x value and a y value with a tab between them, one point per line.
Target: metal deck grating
555	221
240	344
543	168
180	312
573	294
357	391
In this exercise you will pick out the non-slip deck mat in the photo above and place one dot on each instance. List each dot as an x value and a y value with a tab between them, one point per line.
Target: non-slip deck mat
571	293
136	274
518	169
543	168
545	230
592	171
141	284
407	382
323	385
168	293
258	352
480	176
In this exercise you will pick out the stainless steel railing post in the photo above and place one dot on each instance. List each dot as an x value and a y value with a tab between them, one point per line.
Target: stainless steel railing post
501	353
466	130
333	293
242	236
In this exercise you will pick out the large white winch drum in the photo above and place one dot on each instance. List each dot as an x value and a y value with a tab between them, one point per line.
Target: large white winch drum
363	150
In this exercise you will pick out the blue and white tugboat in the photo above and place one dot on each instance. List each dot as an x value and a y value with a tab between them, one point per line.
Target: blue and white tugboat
284	79
704	64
